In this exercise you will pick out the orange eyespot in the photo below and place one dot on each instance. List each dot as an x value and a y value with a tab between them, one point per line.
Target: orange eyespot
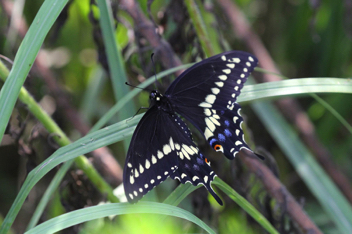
206	160
217	147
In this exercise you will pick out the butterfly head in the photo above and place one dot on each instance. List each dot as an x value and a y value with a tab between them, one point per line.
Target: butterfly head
155	97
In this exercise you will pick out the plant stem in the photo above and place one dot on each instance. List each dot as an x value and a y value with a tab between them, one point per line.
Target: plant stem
199	27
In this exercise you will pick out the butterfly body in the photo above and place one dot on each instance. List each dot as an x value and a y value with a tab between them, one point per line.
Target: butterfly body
161	101
162	144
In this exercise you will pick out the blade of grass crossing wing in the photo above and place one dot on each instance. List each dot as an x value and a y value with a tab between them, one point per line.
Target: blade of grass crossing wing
180	193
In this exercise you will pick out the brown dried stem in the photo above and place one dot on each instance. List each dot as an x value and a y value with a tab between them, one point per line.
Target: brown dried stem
147	29
279	192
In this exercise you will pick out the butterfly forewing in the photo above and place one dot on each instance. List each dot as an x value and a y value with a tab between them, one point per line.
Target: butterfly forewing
162	146
205	94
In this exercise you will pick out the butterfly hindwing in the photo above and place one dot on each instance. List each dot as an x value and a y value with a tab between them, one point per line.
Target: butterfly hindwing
205	94
195	169
162	146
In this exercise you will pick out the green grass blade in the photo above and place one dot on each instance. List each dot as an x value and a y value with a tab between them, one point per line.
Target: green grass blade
180	193
316	97
245	205
92	94
294	87
310	171
83	215
54	184
200	28
333	112
25	56
115	61
127	98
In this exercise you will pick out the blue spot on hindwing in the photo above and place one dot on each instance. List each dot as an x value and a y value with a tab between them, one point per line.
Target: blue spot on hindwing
212	141
221	137
200	161
227	132
227	123
196	167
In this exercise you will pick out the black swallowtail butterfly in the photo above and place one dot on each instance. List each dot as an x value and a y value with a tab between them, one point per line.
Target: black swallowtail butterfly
162	144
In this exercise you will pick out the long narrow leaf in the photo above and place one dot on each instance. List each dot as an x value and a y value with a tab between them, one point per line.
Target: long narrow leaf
54	184
180	193
25	56
294	87
200	28
115	61
83	215
333	112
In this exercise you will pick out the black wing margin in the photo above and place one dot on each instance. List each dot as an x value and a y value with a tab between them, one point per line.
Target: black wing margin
206	93
162	146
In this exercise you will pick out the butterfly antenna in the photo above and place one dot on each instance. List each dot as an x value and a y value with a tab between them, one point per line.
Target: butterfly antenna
126	83
151	58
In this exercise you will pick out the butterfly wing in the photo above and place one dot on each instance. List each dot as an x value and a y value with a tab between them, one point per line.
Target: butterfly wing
205	94
162	146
